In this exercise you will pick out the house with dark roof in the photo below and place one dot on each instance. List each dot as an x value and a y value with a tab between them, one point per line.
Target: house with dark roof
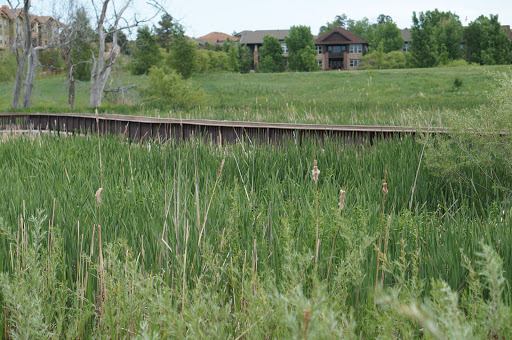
338	49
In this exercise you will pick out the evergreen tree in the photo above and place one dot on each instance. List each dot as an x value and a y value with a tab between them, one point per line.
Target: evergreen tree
122	41
271	55
146	53
486	42
301	49
339	21
183	55
166	30
80	53
245	58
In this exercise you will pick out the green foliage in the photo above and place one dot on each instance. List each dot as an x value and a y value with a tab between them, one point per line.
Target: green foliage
271	55
183	56
364	29
210	61
389	35
122	40
458	82
166	87
245	59
339	21
81	46
50	59
486	43
8	65
166	31
480	141
301	49
379	60
436	38
146	53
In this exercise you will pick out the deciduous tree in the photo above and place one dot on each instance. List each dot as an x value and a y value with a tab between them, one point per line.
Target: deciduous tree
301	49
146	53
271	55
486	42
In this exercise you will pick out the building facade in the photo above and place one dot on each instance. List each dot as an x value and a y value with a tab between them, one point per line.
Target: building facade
43	28
338	49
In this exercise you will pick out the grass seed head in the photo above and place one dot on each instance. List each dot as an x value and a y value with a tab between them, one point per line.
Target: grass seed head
98	196
315	172
385	188
342	199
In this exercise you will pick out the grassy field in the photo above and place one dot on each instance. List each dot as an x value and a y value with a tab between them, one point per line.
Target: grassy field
391	97
205	242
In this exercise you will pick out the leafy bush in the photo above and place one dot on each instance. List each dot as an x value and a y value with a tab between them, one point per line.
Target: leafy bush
380	60
168	88
51	59
8	65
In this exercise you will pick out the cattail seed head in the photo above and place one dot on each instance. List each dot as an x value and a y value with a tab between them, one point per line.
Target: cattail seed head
385	188
98	196
220	169
342	199
315	172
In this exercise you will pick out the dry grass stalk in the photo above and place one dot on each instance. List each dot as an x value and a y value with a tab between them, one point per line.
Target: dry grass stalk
384	193
340	206
316	173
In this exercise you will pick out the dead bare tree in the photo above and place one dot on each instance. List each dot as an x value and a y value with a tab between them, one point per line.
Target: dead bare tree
23	44
103	60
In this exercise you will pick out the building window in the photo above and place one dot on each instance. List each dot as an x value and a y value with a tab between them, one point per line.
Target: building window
356	48
1	23
319	50
354	62
406	47
285	49
319	63
337	48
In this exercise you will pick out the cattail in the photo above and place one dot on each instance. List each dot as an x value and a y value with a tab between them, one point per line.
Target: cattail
315	172
98	196
342	199
385	188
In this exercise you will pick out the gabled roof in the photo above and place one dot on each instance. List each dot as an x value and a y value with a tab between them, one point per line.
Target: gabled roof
217	37
339	36
256	37
406	34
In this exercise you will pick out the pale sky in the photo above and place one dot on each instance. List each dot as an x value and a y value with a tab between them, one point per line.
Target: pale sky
200	17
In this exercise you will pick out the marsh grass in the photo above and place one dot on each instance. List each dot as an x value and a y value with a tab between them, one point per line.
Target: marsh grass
377	97
249	271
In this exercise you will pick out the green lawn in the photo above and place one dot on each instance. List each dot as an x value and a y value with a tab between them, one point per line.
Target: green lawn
394	97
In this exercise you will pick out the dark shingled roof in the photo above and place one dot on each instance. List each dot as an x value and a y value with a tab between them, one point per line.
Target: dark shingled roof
256	37
339	36
406	34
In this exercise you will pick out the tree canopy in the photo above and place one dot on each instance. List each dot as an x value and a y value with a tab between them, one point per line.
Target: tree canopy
301	49
147	51
271	55
436	38
486	42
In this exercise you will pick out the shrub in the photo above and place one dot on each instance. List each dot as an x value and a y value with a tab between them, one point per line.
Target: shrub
8	66
168	88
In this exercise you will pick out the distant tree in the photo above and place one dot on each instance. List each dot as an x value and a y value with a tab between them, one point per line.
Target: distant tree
389	35
183	55
436	37
339	21
486	42
364	29
146	52
166	30
122	40
271	55
245	60
382	19
301	49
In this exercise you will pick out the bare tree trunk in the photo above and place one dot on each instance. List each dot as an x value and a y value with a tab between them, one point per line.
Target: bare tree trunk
27	46
29	82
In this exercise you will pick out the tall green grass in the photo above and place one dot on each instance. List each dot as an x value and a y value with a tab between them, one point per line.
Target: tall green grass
255	261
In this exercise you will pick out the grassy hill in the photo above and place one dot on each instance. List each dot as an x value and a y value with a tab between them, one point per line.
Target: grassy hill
399	97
